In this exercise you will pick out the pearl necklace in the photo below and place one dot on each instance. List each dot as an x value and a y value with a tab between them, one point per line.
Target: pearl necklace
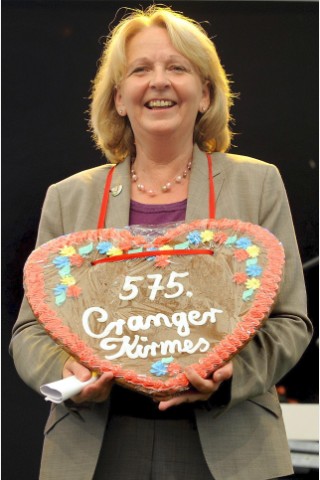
167	187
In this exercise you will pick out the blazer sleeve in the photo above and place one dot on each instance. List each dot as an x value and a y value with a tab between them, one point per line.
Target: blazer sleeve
278	346
38	359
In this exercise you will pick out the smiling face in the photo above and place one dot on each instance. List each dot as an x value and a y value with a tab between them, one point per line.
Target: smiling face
161	92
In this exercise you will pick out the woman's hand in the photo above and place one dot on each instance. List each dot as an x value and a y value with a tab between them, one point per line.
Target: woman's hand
204	387
98	391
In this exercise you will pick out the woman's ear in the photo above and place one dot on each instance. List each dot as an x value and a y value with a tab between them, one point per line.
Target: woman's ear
118	102
205	100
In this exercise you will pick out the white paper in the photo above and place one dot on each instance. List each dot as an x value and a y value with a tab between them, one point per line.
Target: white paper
61	390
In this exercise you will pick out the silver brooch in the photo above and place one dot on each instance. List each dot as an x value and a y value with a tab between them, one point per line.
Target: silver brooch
115	191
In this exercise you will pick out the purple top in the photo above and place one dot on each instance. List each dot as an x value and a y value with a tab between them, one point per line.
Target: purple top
145	214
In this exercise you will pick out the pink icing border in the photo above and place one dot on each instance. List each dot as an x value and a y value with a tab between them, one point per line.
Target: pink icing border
224	351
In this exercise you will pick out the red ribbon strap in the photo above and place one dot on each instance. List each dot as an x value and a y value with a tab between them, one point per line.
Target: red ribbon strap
151	253
105	199
212	208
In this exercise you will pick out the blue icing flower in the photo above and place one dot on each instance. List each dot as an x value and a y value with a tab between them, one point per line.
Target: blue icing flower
151	250
194	237
104	247
59	289
254	270
159	368
61	261
243	242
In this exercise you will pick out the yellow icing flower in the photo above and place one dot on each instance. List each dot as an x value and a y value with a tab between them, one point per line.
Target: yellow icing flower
165	247
67	251
114	251
253	251
253	283
68	280
206	236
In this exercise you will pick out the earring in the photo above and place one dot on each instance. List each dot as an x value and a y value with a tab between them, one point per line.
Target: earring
203	109
120	112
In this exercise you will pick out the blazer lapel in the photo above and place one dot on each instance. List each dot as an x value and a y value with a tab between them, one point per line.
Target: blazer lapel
198	195
119	196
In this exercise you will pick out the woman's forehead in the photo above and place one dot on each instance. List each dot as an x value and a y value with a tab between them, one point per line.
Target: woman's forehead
151	43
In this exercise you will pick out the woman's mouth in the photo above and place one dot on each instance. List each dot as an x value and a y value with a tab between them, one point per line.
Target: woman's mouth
152	104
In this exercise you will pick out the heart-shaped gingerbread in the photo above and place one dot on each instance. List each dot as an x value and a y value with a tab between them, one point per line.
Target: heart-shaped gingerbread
145	309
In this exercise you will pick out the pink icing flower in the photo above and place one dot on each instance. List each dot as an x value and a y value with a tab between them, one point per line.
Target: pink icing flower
240	277
220	237
240	255
76	260
74	291
162	261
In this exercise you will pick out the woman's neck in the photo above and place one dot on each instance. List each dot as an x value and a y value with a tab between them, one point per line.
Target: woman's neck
158	157
156	168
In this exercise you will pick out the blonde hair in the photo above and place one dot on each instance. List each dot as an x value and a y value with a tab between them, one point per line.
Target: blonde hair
112	132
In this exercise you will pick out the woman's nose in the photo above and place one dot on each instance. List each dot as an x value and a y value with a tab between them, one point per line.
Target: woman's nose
159	78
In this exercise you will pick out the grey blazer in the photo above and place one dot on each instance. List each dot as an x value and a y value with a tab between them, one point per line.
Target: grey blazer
241	440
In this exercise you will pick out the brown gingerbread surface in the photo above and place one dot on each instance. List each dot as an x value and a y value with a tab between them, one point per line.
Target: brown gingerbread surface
147	308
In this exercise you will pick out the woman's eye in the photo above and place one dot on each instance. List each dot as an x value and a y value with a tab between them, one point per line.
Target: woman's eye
139	69
178	68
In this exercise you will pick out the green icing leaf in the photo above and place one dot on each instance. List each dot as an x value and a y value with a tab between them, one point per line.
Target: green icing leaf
86	249
251	261
136	250
64	271
60	299
247	294
167	360
181	246
231	240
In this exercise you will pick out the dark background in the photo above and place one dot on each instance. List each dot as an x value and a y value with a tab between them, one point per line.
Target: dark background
49	57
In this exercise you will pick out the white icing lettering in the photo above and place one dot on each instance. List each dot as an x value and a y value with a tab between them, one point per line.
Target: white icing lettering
155	287
133	290
180	320
104	317
135	323
136	350
211	315
138	346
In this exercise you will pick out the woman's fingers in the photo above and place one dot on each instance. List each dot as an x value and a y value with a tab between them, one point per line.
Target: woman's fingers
223	373
98	391
203	387
72	367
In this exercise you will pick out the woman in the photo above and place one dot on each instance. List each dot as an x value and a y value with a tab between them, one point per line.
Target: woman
161	100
